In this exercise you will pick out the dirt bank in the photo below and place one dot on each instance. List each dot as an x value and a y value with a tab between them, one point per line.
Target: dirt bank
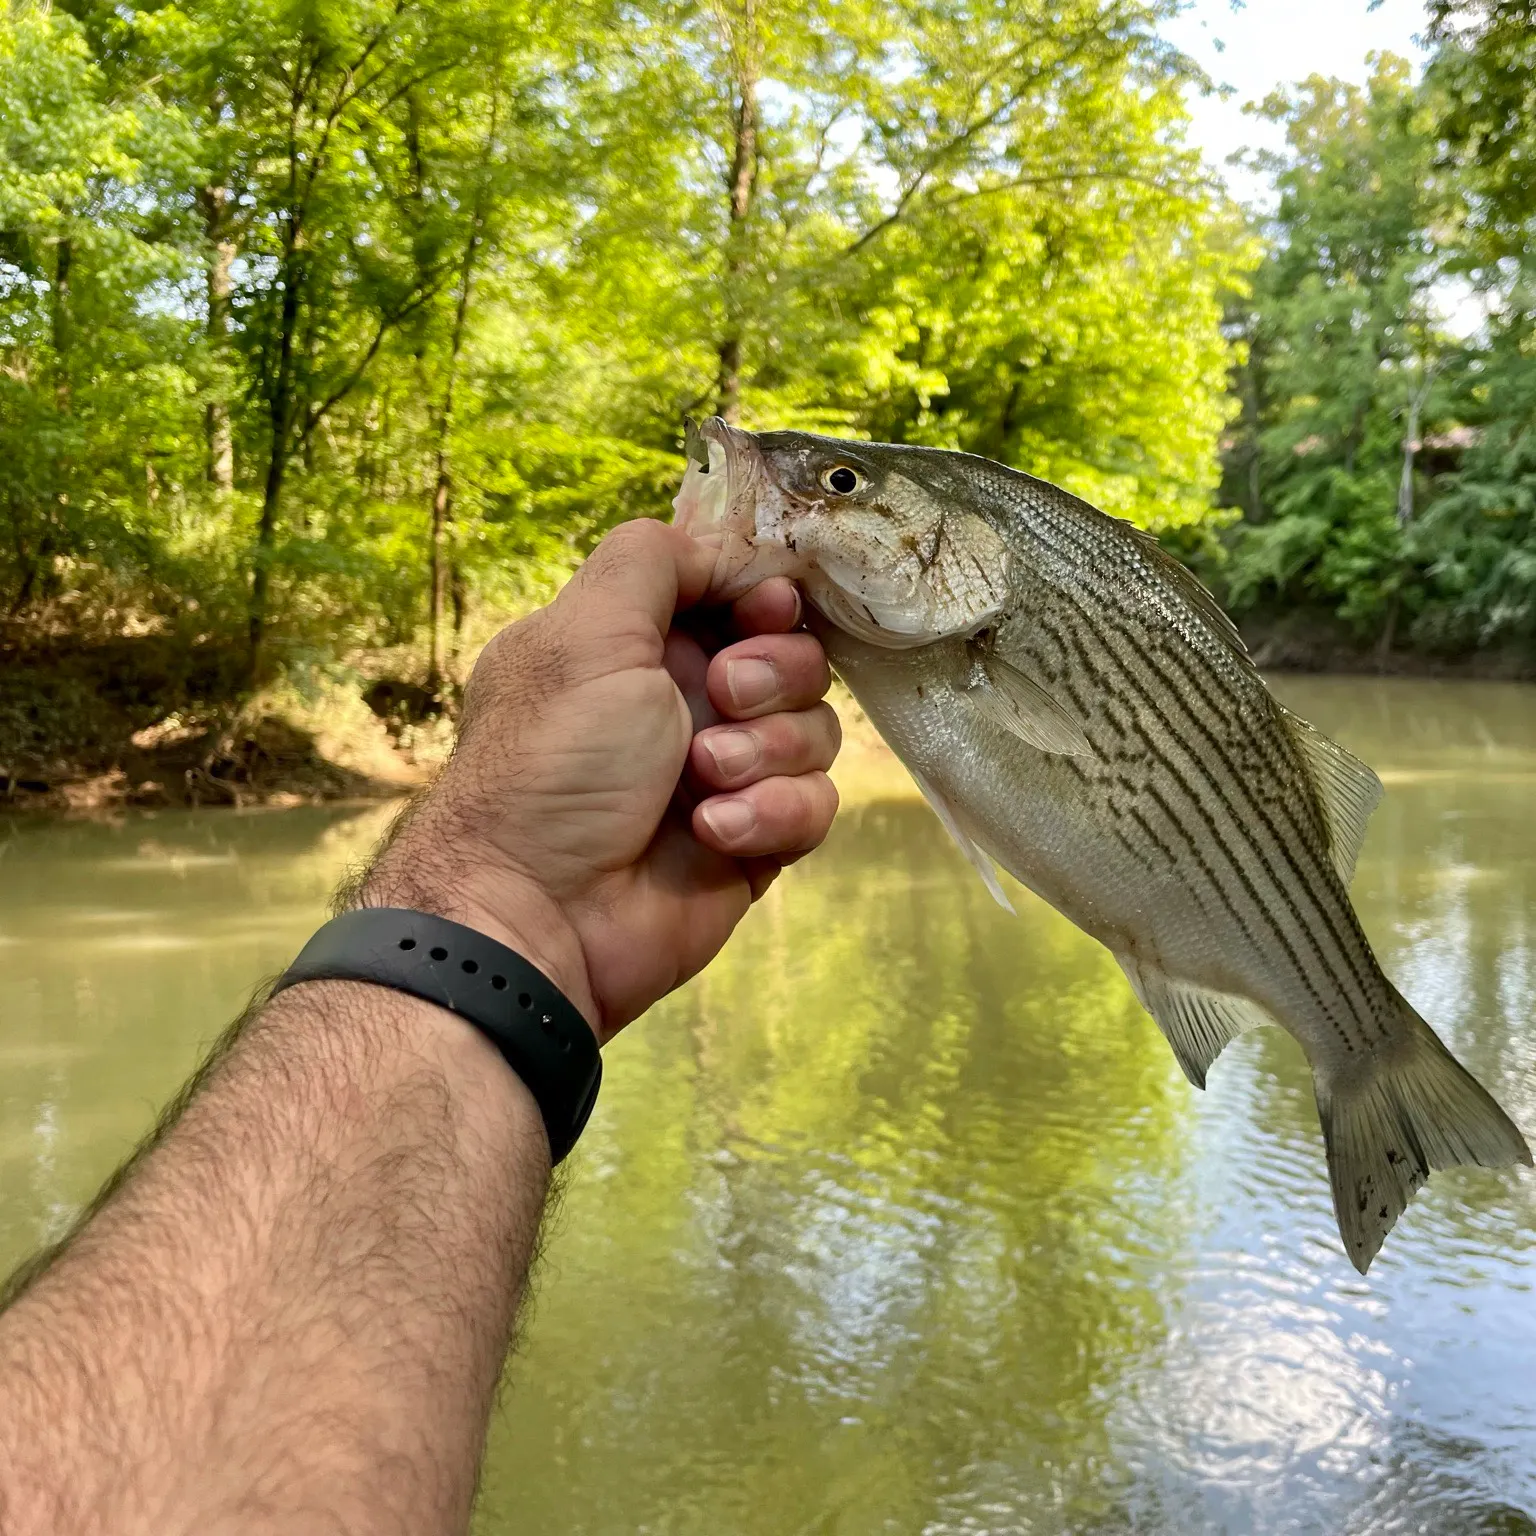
1299	641
140	722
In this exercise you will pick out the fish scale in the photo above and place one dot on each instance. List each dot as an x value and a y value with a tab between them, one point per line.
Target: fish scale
1076	706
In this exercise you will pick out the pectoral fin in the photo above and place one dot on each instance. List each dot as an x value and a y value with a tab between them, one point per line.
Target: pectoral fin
1014	702
1347	789
974	855
1198	1023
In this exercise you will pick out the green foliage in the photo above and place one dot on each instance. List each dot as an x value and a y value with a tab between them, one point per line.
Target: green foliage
94	390
1344	352
323	323
1383	465
1478	540
1485	72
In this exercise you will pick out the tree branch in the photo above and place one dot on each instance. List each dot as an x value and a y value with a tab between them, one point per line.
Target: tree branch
315	414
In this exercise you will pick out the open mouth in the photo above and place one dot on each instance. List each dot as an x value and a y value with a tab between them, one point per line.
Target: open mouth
722	502
704	498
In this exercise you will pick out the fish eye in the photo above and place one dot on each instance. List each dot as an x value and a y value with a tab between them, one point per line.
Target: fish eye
842	480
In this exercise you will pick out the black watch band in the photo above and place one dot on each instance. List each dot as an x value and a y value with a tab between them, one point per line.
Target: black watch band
544	1039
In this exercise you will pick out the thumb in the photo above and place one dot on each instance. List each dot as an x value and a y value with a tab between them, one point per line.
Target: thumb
644	568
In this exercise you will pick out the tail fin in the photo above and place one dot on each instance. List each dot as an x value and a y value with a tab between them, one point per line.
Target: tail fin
1413	1109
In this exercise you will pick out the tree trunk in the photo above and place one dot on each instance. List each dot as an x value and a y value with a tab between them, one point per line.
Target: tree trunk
1006	421
1405	484
441	574
458	596
743	181
60	320
728	380
1388	631
221	259
280	418
442	510
1410	453
41	580
266	529
442	488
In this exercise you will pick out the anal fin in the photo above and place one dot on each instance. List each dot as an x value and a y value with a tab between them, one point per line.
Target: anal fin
974	855
1196	1021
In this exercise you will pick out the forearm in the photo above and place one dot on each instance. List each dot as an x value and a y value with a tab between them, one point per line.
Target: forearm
294	1311
291	1313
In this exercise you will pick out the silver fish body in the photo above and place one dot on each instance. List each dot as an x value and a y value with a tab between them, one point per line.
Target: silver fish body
1076	706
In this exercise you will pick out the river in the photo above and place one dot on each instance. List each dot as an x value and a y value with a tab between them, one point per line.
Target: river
901	1217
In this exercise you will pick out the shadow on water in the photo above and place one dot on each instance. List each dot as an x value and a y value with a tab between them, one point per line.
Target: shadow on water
901	1218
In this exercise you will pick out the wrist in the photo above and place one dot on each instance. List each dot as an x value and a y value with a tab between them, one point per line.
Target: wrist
535	927
510	909
377	1041
536	1030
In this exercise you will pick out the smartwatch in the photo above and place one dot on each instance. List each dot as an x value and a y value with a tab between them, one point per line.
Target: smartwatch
539	1032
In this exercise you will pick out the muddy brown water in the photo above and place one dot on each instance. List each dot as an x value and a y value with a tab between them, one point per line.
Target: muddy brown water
901	1218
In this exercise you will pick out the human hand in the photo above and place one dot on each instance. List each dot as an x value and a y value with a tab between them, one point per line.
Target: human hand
623	786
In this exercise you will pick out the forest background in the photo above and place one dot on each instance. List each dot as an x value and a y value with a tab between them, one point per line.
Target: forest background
334	331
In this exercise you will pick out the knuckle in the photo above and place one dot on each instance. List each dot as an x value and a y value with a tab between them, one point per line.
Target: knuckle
495	650
616	549
780	737
814	675
635	540
520	665
826	798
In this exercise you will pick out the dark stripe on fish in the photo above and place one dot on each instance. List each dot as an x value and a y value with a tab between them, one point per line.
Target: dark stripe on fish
1211	829
1143	646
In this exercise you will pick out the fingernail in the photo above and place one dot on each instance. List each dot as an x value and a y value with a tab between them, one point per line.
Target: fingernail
730	820
750	682
733	751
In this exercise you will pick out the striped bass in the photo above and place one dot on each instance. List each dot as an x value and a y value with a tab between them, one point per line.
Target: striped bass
1075	705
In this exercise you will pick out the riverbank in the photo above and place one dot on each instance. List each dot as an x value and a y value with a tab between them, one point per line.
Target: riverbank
1304	641
142	723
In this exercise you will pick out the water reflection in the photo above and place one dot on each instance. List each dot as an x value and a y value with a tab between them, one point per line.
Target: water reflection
124	950
901	1218
878	1161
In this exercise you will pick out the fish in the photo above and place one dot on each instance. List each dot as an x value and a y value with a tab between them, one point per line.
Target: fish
1077	708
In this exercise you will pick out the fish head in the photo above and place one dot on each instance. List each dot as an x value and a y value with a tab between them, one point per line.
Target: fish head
895	558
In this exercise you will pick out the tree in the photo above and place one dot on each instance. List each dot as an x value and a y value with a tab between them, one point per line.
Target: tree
1346	355
408	298
92	380
1485	71
924	223
1479	537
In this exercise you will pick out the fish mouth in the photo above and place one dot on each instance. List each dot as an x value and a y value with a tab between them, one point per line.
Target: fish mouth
728	501
717	466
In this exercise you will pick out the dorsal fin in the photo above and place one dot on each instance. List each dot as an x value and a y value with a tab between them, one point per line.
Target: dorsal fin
1347	790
